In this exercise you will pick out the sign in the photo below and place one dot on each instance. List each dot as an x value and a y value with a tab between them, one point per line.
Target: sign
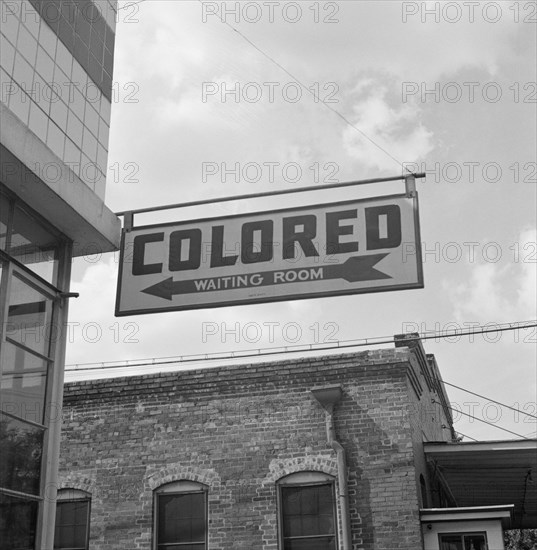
367	245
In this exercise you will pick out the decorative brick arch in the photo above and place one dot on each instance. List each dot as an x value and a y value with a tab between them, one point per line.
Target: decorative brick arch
154	478
279	468
77	481
284	467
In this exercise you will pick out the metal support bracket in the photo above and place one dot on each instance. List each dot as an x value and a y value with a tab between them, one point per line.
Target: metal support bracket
69	295
410	185
128	221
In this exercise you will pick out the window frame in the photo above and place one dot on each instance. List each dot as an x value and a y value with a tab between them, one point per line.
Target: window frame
50	287
62	253
306	479
180	487
67	496
464	534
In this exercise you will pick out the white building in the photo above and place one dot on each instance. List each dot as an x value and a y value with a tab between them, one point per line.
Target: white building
56	95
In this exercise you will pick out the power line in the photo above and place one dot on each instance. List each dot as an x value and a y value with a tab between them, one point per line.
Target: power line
298	81
488	399
505	327
316	97
481	420
245	354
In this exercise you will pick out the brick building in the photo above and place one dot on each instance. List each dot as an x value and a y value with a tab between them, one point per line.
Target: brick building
310	454
238	432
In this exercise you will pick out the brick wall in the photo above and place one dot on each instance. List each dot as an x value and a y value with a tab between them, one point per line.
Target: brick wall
238	430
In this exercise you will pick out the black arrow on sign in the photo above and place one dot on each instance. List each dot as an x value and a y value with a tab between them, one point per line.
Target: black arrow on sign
355	269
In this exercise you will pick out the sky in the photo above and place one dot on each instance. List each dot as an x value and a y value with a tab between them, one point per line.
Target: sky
218	99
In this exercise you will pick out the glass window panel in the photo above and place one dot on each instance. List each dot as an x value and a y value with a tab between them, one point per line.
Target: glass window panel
197	527
310	525
310	505
23	384
29	317
81	511
68	536
326	524
184	530
22	446
59	514
326	500
4	218
18	520
72	524
291	500
68	513
308	511
182	521
474	542
451	542
292	526
34	246
196	506
324	543
167	517
185	503
79	535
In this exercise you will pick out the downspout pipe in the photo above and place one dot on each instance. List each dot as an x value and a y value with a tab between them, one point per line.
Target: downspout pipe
328	397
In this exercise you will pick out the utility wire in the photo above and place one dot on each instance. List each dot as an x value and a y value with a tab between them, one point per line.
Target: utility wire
363	134
301	348
481	420
488	399
315	96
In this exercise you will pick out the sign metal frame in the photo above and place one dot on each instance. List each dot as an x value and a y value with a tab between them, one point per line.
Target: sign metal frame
411	194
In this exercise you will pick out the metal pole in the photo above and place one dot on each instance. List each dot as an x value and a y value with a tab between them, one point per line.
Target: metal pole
131	213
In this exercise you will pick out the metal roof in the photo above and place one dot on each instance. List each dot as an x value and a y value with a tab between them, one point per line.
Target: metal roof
491	473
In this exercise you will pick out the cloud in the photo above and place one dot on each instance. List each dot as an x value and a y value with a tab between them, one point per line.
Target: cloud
382	131
496	292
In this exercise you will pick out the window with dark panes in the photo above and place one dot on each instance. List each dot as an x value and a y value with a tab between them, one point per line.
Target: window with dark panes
307	514
463	541
18	517
22	446
72	520
32	256
181	516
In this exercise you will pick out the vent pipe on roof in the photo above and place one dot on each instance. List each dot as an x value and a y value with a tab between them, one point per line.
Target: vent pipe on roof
328	396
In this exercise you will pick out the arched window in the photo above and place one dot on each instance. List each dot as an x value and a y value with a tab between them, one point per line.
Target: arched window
181	516
307	507
72	519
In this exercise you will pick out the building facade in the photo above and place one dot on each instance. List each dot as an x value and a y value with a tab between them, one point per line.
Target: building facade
55	104
310	454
